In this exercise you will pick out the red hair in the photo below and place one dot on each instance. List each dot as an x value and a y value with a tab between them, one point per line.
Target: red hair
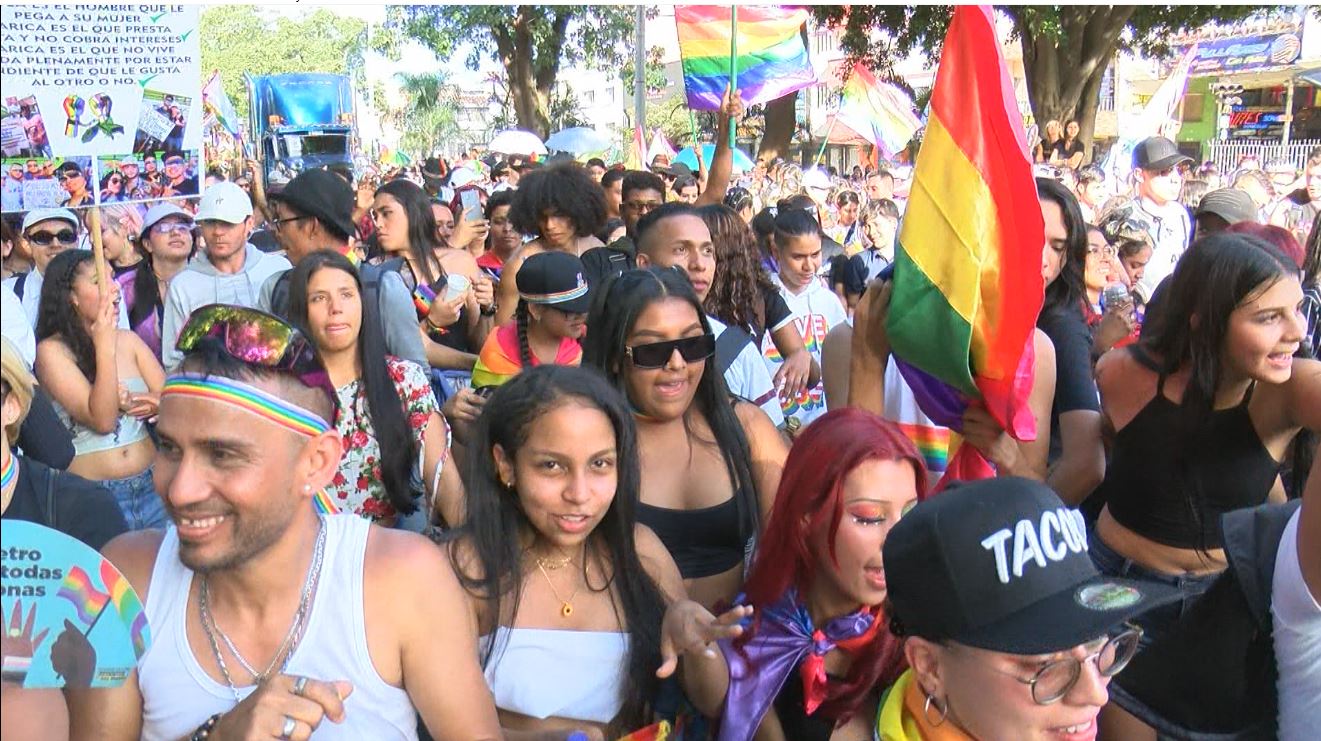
1276	236
812	488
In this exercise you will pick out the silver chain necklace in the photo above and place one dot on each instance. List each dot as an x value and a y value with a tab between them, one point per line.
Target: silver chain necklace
291	639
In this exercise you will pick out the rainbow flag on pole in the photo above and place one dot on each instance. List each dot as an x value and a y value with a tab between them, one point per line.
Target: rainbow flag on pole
216	103
128	606
771	58
79	589
878	111
967	286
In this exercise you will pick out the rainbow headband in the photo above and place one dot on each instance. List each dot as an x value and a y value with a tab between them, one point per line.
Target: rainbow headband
248	398
560	297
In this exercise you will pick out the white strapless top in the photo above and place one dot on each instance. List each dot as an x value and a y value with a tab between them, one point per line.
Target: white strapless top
574	674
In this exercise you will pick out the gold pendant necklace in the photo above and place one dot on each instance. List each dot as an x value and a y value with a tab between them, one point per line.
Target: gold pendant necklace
566	605
553	564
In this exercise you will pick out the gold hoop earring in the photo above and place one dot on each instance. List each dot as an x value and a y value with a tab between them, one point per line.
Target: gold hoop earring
926	710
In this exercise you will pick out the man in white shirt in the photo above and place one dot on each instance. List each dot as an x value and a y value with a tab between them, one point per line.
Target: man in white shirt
674	236
1156	166
816	309
47	232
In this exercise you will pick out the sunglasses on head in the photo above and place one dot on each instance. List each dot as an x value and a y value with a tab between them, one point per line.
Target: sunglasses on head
657	354
45	239
257	339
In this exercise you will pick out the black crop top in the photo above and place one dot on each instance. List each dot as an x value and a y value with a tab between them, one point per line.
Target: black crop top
703	542
1145	486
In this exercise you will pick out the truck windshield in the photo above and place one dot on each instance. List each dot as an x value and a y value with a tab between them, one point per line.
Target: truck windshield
303	145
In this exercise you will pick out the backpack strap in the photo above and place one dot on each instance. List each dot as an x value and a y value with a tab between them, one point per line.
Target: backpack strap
728	346
280	295
18	284
51	519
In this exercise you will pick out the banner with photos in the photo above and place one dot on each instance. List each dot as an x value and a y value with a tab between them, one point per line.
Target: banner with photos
102	105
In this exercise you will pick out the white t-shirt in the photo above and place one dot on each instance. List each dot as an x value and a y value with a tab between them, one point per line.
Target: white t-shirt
816	311
1296	616
748	377
1171	230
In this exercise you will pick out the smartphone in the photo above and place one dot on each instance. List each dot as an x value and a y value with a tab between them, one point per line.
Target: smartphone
472	204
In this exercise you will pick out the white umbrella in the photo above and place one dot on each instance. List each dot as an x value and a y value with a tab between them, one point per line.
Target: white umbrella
517	141
579	140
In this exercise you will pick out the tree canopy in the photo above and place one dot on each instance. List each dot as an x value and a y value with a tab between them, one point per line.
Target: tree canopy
532	42
238	39
1066	49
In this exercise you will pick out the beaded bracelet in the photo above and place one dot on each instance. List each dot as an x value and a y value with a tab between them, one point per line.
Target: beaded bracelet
204	731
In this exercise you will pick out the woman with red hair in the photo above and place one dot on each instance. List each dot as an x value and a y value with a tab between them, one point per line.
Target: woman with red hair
1277	236
813	660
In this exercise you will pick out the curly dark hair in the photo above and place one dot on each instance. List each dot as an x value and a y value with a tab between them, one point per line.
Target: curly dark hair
57	316
565	189
738	290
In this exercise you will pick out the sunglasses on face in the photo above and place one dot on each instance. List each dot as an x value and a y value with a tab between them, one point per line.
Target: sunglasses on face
63	175
657	354
173	162
257	339
45	239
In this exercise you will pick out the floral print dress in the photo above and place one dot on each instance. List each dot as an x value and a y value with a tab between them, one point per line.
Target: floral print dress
357	485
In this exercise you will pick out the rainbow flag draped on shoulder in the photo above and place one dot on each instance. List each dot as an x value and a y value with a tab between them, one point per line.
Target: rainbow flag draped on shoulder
967	286
770	56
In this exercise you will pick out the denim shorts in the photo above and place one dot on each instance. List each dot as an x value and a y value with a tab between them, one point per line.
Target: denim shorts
137	499
1154	623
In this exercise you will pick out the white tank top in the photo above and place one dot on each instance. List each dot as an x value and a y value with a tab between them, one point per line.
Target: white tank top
178	696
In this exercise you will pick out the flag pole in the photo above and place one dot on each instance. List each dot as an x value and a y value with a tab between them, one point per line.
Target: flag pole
733	70
829	130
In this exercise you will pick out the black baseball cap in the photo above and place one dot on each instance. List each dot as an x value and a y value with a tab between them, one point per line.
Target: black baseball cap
554	279
324	195
1157	153
1001	564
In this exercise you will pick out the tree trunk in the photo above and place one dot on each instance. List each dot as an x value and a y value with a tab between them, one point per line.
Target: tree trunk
1086	113
780	125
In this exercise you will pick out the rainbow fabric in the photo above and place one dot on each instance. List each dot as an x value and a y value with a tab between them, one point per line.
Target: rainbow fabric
878	111
967	286
772	60
499	359
323	504
86	598
9	471
249	398
128	606
654	732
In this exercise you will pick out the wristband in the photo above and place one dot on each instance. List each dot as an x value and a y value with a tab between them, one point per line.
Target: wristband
433	328
204	730
489	310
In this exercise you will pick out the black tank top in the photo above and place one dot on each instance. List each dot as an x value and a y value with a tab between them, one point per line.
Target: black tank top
703	542
1149	492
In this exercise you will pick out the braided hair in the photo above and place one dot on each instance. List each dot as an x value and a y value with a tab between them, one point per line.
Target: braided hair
522	316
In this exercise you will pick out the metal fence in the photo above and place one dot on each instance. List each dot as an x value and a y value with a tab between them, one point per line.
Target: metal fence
1226	154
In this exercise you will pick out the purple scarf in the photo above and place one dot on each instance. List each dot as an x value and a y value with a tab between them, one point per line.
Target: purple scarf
785	638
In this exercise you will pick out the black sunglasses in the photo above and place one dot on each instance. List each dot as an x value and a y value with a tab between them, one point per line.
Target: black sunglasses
45	239
657	354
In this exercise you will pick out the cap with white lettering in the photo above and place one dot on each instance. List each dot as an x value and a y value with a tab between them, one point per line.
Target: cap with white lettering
1002	564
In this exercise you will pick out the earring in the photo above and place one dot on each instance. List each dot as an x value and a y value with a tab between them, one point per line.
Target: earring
926	710
307	488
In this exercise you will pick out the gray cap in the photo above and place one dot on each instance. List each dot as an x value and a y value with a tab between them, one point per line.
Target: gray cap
38	215
1158	153
1231	204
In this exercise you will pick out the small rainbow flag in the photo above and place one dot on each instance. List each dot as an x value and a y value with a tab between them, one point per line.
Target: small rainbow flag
967	285
654	732
128	606
878	111
324	504
771	59
79	589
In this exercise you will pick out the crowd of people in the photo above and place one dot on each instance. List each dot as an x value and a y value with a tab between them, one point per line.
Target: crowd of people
515	449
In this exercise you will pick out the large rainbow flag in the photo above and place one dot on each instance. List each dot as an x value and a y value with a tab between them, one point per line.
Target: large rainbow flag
771	59
967	286
878	111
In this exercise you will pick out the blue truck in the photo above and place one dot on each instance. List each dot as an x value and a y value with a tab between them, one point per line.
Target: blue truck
300	121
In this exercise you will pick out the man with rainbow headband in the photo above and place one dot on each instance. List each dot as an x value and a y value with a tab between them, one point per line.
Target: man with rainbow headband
268	618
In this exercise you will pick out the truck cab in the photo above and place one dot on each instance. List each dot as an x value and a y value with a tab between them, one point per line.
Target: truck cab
300	121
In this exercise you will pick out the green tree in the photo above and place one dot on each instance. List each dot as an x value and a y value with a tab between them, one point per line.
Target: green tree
653	72
532	42
1066	49
426	119
239	39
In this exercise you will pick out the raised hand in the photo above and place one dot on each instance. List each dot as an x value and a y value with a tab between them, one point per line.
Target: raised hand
691	628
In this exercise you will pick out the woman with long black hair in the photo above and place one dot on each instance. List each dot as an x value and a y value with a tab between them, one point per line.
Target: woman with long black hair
167	244
392	450
452	329
1204	409
648	333
567	592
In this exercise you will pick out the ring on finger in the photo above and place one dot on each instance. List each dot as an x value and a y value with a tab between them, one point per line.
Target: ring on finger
287	730
300	684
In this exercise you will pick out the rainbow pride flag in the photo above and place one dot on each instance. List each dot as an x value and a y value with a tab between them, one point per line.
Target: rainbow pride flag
128	606
79	589
324	504
771	58
967	286
878	111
